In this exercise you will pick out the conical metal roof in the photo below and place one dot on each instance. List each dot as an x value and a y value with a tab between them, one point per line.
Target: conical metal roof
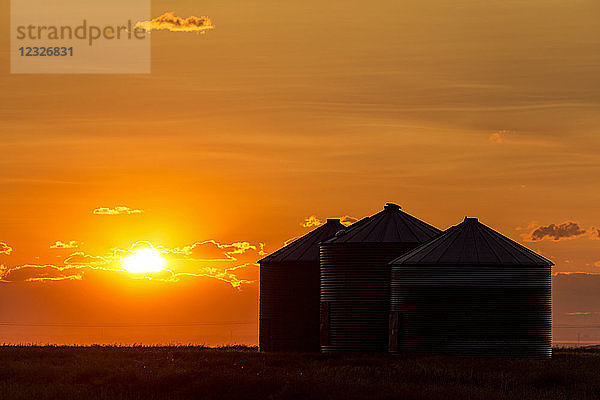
391	225
472	243
306	248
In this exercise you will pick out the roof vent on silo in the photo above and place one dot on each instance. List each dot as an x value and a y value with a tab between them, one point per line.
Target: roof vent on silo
391	225
391	207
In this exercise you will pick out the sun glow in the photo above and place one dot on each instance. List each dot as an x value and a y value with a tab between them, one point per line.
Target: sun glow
146	260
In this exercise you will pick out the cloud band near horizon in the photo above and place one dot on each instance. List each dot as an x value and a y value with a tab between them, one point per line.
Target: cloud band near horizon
169	22
118	210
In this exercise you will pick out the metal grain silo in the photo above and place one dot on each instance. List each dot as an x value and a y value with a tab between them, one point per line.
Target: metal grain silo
471	291
355	278
289	293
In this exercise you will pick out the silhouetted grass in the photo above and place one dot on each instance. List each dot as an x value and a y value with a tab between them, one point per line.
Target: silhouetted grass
113	372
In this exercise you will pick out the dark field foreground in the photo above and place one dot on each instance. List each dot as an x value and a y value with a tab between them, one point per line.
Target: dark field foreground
197	373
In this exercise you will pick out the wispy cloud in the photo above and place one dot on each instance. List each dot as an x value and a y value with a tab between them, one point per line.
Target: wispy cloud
73	244
211	250
118	210
233	263
291	240
566	230
39	273
82	259
498	137
348	220
312	221
5	249
235	276
261	249
168	21
245	272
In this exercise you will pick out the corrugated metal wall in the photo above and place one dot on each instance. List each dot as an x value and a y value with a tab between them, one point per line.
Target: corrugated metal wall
480	310
289	307
355	291
289	293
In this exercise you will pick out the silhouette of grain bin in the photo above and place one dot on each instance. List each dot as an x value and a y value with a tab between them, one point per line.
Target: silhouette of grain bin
355	278
471	291
289	293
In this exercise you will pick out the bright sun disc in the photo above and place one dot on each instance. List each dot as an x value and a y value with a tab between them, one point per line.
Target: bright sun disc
144	261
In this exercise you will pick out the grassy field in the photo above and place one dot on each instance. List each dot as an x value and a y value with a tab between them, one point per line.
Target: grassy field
243	373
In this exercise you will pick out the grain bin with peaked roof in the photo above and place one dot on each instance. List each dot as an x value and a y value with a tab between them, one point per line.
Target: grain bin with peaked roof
289	293
355	278
472	291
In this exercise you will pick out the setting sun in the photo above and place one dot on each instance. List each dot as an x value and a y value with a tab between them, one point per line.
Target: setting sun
144	261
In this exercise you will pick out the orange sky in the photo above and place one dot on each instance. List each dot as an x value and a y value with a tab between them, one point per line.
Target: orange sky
283	111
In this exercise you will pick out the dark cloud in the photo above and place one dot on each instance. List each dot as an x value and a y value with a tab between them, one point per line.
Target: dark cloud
566	230
247	272
36	273
211	250
81	259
